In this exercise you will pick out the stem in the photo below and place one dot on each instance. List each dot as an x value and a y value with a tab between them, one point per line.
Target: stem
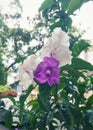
56	95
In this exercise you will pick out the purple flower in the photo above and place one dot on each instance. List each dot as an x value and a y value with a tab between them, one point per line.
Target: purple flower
48	71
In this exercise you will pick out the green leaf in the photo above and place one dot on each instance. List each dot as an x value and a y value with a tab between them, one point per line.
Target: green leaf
55	24
40	25
65	4
80	64
73	72
42	122
12	100
44	93
33	103
68	114
89	102
46	4
33	122
73	5
23	97
79	47
68	22
25	119
88	120
8	119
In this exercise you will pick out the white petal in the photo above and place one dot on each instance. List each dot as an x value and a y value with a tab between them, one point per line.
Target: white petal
26	70
58	47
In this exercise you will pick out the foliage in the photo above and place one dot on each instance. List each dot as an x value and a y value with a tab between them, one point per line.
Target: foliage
62	106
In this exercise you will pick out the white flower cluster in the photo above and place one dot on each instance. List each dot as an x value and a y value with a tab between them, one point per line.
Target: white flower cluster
57	46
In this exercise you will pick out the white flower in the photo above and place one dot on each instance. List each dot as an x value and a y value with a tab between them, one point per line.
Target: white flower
26	71
57	46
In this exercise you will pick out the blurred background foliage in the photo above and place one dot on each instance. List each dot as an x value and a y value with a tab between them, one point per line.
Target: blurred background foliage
69	108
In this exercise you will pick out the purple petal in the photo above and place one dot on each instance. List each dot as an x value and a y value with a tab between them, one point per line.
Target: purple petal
56	75
50	81
48	71
39	74
41	78
51	61
38	69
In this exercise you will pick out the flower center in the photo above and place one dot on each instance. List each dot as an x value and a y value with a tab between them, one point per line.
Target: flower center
48	72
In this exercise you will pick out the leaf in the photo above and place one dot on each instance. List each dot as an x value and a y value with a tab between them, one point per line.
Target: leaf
68	114
75	73
33	122
89	102
80	64
46	4
79	47
24	96
73	5
88	120
44	93
33	103
40	25
42	122
65	4
55	24
68	22
12	100
8	119
25	119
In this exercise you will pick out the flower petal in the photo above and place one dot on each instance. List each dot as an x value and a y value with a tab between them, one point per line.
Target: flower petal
58	47
39	74
51	61
50	82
